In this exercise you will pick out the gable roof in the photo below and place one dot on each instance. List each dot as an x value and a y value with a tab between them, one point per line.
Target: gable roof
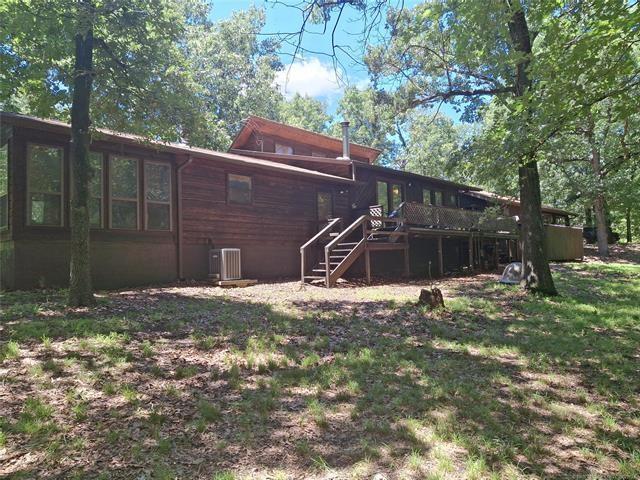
255	124
501	199
57	126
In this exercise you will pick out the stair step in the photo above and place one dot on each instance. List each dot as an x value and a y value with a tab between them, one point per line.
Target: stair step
314	277
346	244
330	263
334	234
319	270
347	250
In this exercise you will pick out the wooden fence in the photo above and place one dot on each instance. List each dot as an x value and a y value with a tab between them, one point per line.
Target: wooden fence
563	243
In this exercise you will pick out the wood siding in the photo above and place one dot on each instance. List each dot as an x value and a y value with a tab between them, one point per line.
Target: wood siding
563	243
269	231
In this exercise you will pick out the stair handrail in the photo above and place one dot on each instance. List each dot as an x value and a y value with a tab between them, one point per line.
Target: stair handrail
313	240
346	232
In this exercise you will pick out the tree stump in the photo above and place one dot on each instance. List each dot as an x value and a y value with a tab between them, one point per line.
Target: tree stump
432	298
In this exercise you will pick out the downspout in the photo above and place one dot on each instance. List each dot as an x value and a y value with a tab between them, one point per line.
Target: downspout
179	192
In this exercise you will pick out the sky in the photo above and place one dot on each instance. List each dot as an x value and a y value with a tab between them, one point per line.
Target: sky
312	74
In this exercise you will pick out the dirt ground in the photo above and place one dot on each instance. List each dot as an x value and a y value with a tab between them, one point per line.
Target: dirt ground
281	380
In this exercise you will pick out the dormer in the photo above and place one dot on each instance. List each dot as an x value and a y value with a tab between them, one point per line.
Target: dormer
267	136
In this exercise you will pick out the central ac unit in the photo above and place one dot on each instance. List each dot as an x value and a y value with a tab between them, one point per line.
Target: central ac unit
224	264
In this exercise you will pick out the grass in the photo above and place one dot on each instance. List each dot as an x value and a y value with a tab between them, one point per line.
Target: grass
345	382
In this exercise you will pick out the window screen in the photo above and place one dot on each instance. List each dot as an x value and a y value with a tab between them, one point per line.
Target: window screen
239	189
124	193
45	185
158	195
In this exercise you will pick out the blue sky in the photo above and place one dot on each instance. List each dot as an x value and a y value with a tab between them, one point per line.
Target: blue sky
313	74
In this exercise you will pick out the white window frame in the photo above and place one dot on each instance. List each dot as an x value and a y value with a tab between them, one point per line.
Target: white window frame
30	146
123	199
156	202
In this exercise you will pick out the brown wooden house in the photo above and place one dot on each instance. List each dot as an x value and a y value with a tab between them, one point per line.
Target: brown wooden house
282	195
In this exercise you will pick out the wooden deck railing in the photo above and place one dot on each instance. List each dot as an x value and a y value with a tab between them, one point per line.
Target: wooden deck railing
445	218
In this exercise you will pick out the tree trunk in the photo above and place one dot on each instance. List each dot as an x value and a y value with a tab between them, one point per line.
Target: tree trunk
628	219
536	274
599	200
80	288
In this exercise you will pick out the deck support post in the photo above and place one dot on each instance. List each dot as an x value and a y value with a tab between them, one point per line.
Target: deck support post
367	263
509	246
496	255
440	259
471	251
405	252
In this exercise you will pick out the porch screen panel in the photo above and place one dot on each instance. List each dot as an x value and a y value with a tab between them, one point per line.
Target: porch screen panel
158	195
396	195
325	206
124	193
438	198
383	196
4	186
426	196
45	185
95	190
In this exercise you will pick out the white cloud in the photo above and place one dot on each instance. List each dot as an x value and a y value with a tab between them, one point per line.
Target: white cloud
308	77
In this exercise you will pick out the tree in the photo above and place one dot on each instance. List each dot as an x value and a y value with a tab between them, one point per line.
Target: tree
234	76
305	112
128	51
373	121
431	145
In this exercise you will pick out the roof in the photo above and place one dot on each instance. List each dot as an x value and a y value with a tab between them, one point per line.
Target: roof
271	127
494	197
64	128
403	173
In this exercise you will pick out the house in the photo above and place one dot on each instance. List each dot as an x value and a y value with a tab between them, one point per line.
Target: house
287	197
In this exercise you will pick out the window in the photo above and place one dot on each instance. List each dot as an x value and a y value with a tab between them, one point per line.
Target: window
325	205
158	195
44	185
124	193
383	197
426	196
239	189
95	190
452	199
437	196
396	196
285	149
4	186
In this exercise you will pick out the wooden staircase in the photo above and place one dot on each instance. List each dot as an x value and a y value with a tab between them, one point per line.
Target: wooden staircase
344	247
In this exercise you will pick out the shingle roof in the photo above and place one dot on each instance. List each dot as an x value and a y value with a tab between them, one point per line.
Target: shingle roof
65	128
494	197
264	125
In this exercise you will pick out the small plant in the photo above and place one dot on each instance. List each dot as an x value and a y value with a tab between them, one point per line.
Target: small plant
225	475
10	351
46	342
163	446
317	412
79	411
205	342
147	349
186	372
129	394
208	411
109	388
